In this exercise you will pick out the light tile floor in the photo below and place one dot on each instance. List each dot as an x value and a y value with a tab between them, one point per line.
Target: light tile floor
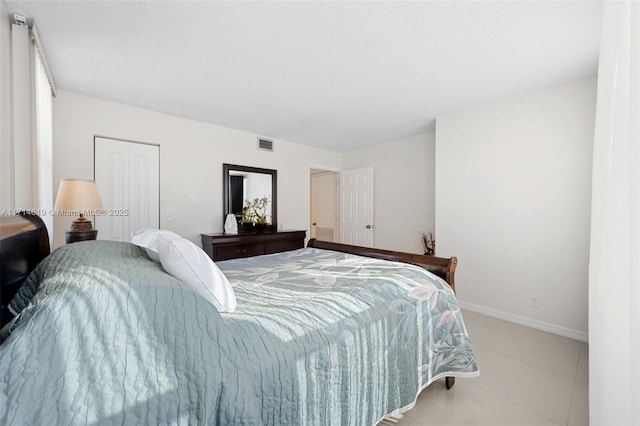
527	377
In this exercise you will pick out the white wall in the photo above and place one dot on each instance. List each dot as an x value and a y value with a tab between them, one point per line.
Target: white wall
191	158
513	192
614	269
404	188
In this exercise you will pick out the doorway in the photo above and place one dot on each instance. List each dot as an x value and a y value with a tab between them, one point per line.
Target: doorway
323	205
341	206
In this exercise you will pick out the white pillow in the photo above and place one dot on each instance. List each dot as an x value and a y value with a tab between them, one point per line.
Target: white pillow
189	264
147	238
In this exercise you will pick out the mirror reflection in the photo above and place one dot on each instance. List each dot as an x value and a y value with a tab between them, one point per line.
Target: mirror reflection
244	187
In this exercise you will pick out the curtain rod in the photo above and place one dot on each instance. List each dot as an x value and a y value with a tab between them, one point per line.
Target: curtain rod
36	39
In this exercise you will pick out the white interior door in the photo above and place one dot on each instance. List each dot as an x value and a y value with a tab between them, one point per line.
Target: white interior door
356	207
324	197
128	178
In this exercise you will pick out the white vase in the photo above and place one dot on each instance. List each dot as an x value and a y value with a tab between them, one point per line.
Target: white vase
231	225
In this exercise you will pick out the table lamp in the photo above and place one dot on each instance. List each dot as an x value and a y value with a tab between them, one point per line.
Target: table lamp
79	196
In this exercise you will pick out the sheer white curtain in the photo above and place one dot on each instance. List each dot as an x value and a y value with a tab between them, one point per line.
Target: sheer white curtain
614	278
43	155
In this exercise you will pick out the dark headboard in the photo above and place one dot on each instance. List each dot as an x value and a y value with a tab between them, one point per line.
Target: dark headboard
24	242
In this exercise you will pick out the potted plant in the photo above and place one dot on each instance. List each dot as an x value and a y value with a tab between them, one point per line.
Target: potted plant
254	213
245	221
428	243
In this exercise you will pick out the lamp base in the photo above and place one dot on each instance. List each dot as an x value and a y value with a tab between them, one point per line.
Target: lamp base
81	230
75	236
81	224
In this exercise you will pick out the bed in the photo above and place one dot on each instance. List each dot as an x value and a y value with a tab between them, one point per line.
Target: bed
23	244
320	336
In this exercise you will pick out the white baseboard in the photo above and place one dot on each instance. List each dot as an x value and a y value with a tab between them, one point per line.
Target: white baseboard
527	322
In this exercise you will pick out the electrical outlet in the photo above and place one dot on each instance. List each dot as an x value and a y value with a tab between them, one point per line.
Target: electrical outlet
170	215
534	301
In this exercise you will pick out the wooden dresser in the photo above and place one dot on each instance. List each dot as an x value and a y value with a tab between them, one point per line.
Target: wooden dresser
224	247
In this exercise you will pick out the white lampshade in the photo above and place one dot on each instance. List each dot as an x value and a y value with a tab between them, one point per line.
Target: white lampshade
78	195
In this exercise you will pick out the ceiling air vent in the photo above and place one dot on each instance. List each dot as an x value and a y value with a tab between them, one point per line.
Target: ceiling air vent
265	145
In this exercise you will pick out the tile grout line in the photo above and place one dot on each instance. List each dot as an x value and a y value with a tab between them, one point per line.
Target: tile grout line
469	381
530	364
575	384
575	372
511	402
573	391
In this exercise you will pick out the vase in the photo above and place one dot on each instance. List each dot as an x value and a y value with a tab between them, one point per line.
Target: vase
246	228
261	227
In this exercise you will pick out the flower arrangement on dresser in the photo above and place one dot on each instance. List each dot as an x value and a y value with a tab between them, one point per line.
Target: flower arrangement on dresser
255	211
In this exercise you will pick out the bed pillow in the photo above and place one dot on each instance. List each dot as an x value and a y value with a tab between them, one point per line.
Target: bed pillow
147	238
189	264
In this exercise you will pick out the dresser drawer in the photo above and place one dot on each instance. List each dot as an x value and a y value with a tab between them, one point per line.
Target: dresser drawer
236	251
278	246
225	247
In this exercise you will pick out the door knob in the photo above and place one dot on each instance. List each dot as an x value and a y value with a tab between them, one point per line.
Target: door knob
368	227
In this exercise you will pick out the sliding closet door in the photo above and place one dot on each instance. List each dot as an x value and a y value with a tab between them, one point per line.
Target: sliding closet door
128	178
144	186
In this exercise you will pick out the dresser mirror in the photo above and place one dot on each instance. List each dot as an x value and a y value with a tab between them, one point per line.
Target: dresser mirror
244	183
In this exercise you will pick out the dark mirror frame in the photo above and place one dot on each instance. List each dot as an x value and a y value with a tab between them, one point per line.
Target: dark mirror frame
237	168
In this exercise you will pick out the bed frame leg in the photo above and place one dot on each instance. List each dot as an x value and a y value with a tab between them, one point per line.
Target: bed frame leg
449	382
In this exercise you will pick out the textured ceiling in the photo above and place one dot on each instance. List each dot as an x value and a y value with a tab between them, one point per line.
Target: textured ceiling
337	75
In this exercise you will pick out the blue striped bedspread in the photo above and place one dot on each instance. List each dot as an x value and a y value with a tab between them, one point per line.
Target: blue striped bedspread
343	339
